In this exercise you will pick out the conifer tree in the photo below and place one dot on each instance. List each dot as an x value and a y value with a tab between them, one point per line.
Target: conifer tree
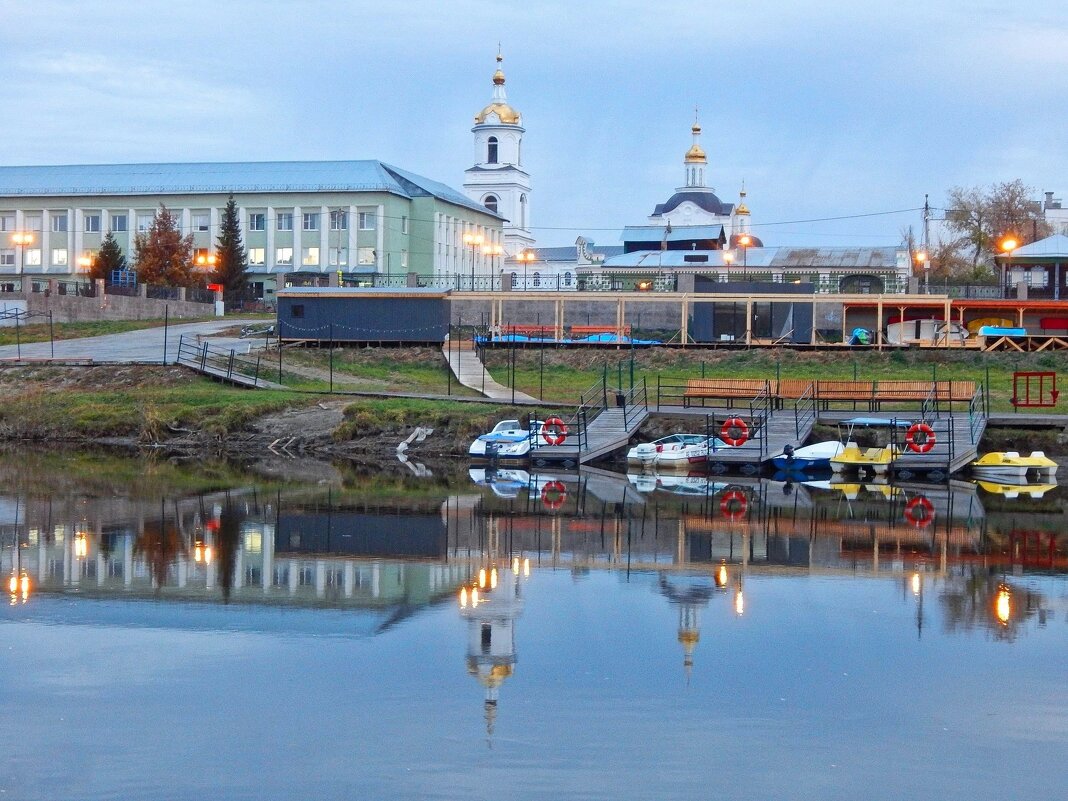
162	255
231	265
108	259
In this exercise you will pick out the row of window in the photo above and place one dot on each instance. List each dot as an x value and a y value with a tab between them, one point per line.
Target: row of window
338	257
201	221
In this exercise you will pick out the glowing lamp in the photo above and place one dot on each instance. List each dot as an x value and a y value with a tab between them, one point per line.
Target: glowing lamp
1003	605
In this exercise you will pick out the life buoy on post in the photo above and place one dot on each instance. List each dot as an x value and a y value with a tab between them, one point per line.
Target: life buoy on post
734	432
733	505
553	431
920	445
553	495
920	512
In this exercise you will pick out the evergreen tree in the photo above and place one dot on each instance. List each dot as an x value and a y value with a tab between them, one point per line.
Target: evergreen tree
108	259
231	265
162	255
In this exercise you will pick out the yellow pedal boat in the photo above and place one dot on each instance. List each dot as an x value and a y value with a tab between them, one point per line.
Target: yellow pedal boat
875	460
1012	467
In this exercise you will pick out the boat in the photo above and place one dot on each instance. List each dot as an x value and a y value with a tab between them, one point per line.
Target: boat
509	441
1001	331
1012	467
875	460
811	457
917	330
676	450
1011	491
973	326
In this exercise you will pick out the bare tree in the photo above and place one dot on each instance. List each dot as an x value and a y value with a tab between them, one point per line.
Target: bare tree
983	216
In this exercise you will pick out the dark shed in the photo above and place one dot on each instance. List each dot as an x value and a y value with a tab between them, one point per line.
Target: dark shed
776	320
358	314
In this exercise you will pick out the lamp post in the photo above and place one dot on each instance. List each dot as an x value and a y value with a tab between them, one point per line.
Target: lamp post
1006	245
924	260
728	260
525	257
206	260
474	242
20	239
494	251
745	241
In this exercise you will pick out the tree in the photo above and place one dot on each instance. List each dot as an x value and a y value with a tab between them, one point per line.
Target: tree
231	265
983	216
162	255
108	259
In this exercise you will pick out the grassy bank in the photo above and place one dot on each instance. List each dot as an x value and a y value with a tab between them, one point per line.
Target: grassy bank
39	332
454	420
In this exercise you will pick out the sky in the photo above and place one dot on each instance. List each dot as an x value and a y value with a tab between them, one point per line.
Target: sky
824	109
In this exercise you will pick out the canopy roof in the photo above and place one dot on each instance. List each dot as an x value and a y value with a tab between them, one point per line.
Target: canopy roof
1051	249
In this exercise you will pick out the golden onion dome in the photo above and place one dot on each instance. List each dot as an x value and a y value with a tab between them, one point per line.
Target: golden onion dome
689	636
696	154
505	113
742	208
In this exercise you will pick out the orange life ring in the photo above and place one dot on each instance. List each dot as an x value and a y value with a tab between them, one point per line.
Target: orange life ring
740	502
928	438
553	495
553	431
729	426
926	516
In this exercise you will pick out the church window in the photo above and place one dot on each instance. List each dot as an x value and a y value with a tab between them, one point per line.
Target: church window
486	637
567	279
490	203
491	150
515	277
522	211
537	279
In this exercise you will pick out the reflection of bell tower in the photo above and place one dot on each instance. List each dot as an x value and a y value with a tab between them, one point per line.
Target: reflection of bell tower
491	607
690	594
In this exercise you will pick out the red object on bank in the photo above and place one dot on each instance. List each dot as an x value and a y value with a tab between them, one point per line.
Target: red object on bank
1034	389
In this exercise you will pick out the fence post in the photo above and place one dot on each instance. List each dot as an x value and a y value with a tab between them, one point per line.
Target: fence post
51	334
18	336
230	365
448	355
166	325
331	358
204	357
279	359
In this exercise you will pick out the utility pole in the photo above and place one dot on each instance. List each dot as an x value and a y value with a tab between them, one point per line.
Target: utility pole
926	246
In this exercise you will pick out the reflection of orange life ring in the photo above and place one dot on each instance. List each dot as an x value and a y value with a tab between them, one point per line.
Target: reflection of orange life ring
740	505
553	495
553	431
928	437
729	427
924	507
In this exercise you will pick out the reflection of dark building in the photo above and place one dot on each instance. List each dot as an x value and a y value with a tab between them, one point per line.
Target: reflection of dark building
340	532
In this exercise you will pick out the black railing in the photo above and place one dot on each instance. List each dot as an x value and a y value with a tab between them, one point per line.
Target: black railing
977	413
224	363
198	295
129	290
805	410
161	292
637	398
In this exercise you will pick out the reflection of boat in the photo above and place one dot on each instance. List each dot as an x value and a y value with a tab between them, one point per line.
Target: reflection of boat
504	483
676	450
874	460
508	441
810	457
677	484
1011	466
1011	491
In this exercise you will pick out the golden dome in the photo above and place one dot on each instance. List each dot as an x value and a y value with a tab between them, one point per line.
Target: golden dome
696	154
696	128
742	208
505	113
689	636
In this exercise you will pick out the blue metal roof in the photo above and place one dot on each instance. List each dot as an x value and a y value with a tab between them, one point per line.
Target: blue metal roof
222	177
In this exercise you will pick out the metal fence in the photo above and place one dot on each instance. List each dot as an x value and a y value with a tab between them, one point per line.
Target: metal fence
198	295
162	292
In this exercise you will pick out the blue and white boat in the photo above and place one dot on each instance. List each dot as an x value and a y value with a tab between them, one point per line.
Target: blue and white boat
811	457
509	441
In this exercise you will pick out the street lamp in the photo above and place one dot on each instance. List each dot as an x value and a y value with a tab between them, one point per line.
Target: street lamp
20	239
526	257
745	241
206	260
473	241
924	260
494	251
1008	243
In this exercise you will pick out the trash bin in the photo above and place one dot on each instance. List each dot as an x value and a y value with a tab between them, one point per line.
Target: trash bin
621	399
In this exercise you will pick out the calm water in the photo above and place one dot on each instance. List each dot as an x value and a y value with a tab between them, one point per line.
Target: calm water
209	632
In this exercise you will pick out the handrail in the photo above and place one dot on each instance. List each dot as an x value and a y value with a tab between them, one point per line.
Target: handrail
976	412
801	414
930	403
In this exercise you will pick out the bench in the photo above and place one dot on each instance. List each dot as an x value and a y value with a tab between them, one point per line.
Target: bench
854	391
727	389
791	388
919	391
529	331
591	330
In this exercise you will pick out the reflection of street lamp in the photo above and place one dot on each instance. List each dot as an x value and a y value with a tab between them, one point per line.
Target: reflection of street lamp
473	241
20	239
1003	605
924	260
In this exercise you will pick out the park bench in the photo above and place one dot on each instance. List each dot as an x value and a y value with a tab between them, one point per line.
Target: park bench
844	391
728	389
791	388
578	331
542	331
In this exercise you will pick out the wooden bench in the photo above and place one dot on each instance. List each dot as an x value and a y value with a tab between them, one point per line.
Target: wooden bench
919	391
791	388
529	331
728	389
591	330
854	391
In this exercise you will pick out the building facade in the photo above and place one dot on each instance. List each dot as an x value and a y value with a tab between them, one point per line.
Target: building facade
302	222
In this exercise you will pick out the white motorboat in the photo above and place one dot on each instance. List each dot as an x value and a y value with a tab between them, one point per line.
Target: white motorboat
674	451
509	441
811	457
1010	466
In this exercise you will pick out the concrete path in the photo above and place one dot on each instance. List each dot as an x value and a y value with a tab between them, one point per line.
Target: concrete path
469	371
144	345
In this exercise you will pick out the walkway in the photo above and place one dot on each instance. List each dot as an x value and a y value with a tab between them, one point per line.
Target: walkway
472	373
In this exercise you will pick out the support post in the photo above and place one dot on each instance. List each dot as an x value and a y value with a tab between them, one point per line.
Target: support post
330	356
166	326
51	334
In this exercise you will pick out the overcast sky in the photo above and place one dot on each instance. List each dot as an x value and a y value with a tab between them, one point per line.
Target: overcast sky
824	109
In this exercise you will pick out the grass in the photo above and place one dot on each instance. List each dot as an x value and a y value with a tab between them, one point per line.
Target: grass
567	373
461	421
412	370
38	332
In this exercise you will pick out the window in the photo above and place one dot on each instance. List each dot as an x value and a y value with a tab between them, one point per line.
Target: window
32	222
404	259
522	211
311	221
310	257
201	221
537	279
339	257
490	203
257	221
92	223
366	220
515	280
59	257
7	222
283	255
404	225
7	257
144	222
256	256
118	222
32	257
567	279
491	150
339	220
59	223
365	256
285	221
296	310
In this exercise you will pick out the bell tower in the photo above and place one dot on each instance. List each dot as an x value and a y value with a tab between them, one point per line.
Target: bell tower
497	180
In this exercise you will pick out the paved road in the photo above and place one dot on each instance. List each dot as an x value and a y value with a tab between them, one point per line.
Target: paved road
145	345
